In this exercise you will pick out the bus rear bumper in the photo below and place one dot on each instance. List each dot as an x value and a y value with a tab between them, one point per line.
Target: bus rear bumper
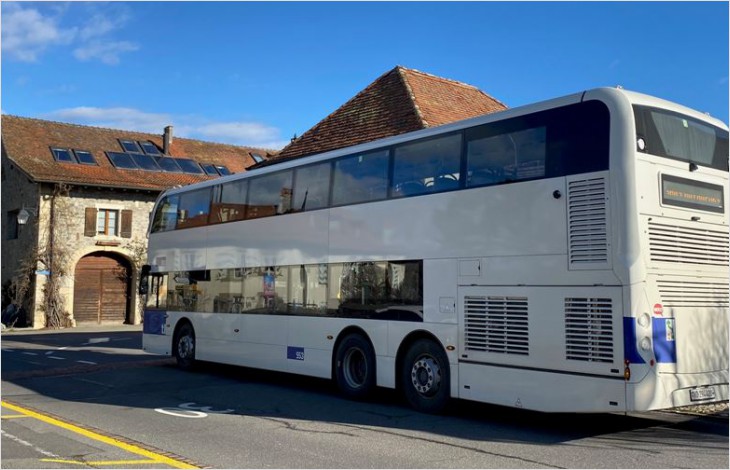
695	389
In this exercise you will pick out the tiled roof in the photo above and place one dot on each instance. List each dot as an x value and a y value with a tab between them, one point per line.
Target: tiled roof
28	142
402	100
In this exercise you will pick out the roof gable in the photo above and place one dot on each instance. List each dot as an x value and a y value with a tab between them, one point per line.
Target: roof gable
28	143
399	101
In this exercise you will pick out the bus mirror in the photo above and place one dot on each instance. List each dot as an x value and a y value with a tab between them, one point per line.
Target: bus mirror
144	279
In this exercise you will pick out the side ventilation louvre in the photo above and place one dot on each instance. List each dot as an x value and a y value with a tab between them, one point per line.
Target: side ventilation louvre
688	245
694	293
496	325
588	330
587	222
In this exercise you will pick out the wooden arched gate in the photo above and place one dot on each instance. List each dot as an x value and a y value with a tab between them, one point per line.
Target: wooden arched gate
101	287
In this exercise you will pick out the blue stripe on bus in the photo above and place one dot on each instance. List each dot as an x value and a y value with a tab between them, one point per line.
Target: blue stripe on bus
665	344
631	352
154	322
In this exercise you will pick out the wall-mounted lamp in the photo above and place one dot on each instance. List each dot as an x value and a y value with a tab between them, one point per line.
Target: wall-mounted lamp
25	213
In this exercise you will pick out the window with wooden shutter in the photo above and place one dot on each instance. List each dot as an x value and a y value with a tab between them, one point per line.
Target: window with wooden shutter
90	223
126	231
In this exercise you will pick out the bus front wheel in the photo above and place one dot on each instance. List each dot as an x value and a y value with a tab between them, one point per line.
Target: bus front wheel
184	346
425	379
355	367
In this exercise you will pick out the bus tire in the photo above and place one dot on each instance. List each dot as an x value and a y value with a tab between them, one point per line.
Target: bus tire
355	367
425	379
184	346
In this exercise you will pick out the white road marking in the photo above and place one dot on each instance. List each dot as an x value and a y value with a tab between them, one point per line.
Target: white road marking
96	341
87	362
30	353
57	358
28	444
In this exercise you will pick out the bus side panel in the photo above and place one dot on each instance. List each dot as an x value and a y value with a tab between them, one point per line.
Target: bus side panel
492	221
186	254
270	241
516	388
568	330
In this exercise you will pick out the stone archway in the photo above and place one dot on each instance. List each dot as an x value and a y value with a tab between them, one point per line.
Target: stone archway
101	289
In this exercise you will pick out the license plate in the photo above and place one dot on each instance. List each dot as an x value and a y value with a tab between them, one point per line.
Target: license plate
704	393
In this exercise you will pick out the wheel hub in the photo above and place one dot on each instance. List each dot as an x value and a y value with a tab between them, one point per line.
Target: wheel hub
185	347
426	375
355	368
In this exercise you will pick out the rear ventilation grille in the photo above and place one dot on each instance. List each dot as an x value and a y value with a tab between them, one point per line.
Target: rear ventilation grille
496	325
688	245
694	294
587	218
588	329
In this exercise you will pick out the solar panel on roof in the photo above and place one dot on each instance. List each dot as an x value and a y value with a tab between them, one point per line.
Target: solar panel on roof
189	166
168	164
209	169
145	162
223	170
122	160
85	157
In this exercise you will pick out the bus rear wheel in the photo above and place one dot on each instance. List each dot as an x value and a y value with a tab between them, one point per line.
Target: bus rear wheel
355	367
184	346
425	380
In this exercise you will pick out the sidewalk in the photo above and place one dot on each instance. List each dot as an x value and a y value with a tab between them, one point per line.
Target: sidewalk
77	329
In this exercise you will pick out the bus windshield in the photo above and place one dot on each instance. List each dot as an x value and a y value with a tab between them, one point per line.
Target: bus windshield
679	137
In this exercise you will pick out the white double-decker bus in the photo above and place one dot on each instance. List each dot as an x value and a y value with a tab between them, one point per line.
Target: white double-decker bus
570	255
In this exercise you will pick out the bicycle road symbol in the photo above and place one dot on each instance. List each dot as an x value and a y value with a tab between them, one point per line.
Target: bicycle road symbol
191	410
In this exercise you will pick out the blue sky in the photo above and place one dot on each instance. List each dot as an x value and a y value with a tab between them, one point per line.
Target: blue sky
258	73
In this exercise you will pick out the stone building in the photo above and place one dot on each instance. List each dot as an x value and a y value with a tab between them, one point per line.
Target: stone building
76	202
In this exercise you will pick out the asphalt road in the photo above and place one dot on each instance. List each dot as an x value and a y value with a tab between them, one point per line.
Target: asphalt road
91	397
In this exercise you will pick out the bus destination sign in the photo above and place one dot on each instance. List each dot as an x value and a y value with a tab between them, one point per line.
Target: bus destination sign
692	194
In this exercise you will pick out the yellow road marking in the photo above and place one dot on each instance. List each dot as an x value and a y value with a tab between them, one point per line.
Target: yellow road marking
102	462
14	416
99	437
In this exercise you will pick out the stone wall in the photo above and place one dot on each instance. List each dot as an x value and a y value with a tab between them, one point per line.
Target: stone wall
18	192
70	243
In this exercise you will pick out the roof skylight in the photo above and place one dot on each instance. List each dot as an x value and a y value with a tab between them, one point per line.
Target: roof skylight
63	155
149	148
85	157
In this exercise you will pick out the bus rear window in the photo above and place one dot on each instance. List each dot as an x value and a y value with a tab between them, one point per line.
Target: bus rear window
672	135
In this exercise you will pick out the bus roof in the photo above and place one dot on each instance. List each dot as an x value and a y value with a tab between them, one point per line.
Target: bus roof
604	93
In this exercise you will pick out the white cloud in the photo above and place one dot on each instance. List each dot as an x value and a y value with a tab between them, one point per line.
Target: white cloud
27	31
239	130
252	134
113	118
106	52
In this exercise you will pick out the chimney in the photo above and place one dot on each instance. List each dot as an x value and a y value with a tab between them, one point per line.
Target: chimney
167	140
